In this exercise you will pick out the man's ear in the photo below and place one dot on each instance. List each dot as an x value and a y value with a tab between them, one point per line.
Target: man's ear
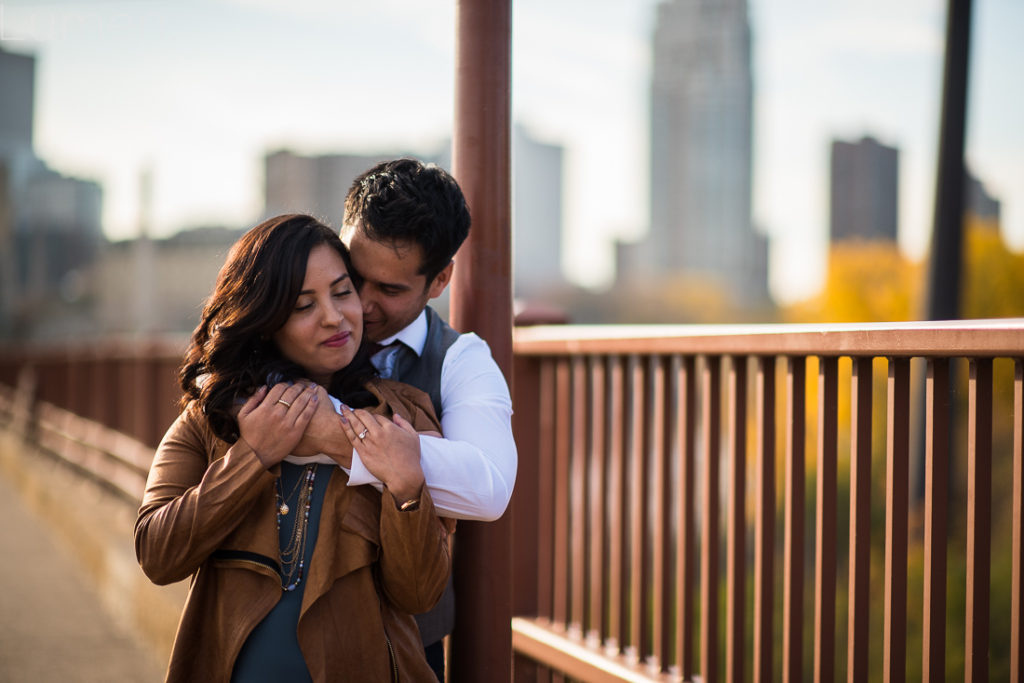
441	280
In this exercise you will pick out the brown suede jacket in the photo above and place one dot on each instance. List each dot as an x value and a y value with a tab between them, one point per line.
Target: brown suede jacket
209	513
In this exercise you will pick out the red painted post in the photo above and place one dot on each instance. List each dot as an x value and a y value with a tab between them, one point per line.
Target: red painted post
481	301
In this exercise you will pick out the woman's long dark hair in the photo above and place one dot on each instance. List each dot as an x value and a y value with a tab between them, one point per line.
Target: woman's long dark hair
232	352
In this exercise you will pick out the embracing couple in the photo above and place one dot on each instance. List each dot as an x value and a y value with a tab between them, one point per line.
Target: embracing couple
333	428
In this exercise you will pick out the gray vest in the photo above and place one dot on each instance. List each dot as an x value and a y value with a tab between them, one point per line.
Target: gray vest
424	373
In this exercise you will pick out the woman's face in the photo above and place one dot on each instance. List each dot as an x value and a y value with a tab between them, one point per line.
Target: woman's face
325	327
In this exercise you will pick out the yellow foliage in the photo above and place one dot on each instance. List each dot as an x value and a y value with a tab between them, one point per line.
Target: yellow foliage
994	275
867	282
874	282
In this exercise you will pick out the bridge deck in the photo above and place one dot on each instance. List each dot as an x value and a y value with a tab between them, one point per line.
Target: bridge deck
52	624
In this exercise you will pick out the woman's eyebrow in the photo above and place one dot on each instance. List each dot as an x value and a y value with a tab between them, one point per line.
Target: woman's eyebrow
336	281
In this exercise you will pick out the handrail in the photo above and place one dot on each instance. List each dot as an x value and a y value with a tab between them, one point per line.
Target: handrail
978	338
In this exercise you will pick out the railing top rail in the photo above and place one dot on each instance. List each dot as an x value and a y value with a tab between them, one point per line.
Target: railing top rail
115	346
956	338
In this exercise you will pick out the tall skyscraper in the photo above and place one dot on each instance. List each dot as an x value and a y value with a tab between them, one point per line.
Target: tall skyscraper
864	191
701	136
49	223
17	82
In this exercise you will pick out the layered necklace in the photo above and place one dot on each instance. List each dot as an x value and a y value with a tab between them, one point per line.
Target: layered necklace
293	555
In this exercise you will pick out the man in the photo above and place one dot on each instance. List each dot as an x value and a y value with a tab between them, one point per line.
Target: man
404	221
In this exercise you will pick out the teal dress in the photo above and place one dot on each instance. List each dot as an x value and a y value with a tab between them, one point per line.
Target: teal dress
271	652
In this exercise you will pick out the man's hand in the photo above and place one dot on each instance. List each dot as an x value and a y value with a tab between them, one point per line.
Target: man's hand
325	433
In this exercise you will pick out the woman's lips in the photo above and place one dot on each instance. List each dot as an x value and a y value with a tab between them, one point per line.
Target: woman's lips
338	340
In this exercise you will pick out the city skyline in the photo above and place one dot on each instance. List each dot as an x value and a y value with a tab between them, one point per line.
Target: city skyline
199	92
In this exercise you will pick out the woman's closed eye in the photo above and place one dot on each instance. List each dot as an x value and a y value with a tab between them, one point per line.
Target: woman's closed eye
302	305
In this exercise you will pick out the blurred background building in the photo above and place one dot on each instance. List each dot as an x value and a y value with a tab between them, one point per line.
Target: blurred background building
865	191
50	231
701	100
979	202
317	184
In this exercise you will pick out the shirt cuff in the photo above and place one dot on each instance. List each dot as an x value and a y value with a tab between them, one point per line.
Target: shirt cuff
358	474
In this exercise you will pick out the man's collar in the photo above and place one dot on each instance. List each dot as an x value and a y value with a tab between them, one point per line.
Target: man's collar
413	335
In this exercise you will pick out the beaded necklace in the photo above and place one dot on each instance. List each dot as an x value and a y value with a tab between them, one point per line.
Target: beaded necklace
293	556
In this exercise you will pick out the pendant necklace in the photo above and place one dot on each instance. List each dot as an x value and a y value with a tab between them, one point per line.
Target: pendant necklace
293	555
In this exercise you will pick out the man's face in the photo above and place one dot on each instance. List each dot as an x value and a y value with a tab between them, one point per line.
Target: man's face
394	291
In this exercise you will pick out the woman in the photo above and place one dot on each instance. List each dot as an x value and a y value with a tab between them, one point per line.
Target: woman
295	576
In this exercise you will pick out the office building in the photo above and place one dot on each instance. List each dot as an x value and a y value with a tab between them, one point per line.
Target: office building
701	139
318	185
50	230
864	191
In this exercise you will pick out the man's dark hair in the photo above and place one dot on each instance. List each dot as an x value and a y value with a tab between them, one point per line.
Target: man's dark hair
405	200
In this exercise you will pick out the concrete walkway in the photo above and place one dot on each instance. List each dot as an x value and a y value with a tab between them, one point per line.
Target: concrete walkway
53	626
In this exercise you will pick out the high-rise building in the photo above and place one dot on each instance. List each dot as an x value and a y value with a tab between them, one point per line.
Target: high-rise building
318	184
536	214
49	223
17	83
864	191
701	137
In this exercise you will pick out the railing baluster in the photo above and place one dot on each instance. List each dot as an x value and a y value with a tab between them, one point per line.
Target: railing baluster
615	514
657	507
896	493
1017	563
793	571
686	488
736	551
560	613
637	504
577	495
764	529
529	428
598	495
529	540
667	535
825	526
710	426
546	489
979	514
936	497
860	521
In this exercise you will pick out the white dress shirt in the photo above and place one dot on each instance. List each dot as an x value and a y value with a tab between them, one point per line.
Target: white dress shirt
471	471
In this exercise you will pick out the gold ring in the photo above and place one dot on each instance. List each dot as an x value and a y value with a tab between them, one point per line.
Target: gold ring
362	434
286	403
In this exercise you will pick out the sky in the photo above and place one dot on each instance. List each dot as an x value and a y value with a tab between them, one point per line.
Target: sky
197	92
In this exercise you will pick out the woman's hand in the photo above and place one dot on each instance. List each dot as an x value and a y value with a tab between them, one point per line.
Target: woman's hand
389	449
272	420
